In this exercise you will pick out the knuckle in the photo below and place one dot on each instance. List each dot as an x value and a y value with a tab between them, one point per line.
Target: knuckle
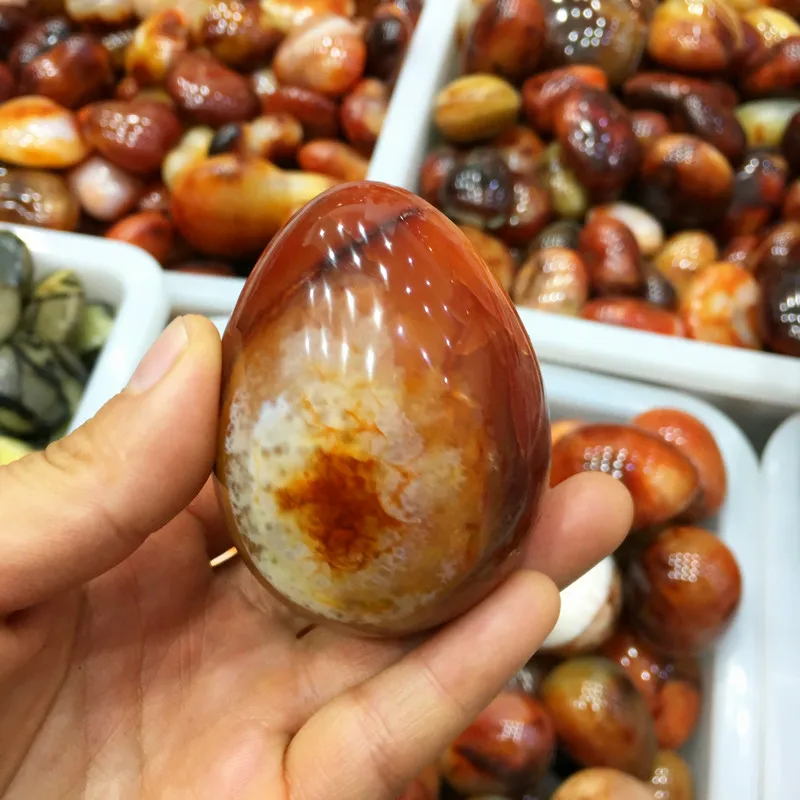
375	731
444	698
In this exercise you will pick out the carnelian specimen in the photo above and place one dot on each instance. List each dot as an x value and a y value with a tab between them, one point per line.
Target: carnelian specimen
384	439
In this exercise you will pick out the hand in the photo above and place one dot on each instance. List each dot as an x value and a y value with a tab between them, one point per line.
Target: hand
130	669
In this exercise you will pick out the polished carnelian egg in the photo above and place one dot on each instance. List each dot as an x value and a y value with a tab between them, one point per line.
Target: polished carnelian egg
384	441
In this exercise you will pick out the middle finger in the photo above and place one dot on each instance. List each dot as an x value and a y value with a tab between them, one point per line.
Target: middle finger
582	520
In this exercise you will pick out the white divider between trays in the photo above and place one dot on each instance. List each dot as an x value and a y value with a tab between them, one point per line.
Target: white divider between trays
220	323
781	539
112	272
201	294
757	389
725	751
404	136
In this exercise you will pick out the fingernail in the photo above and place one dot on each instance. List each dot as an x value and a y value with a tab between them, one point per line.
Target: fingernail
160	357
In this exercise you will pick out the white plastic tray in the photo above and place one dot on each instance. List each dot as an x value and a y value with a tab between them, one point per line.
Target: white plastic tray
201	294
111	272
757	389
725	750
781	471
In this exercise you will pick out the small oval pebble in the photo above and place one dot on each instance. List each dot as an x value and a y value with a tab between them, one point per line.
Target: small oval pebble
780	312
602	784
208	92
506	39
590	609
702	36
570	197
721	305
758	191
494	253
318	114
611	255
238	33
36	132
73	72
520	148
530	211
563	233
662	481
362	114
630	312
435	171
275	137
597	140
683	588
476	107
387	35
232	206
288	15
645	228
35	197
685	182
543	93
103	12
600	718
697	442
683	255
334	158
149	230
104	191
135	135
479	190
484	759
157	43
36	39
554	279
671	687
649	127
326	55
777	250
772	25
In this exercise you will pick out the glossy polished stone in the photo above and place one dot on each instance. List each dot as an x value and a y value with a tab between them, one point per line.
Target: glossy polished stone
507	749
384	441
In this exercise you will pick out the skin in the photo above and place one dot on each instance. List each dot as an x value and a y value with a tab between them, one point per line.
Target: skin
129	668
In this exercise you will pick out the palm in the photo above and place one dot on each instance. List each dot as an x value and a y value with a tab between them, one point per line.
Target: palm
183	679
166	679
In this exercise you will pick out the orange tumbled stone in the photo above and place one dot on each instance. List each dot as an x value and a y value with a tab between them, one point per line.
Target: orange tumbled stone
384	441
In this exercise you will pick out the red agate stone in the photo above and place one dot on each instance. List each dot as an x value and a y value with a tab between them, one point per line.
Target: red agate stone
384	440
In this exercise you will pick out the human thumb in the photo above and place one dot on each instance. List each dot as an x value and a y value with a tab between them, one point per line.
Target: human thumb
89	500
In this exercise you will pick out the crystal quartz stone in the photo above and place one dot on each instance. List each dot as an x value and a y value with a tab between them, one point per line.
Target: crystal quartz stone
384	440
